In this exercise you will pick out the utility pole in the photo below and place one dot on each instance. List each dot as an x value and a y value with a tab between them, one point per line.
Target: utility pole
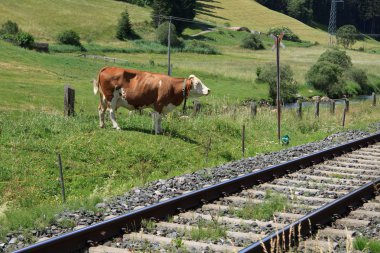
332	22
277	45
278	41
169	67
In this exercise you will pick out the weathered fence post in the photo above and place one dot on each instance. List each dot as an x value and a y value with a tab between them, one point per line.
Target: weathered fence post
69	101
347	105
208	148
317	109
196	107
243	141
344	118
332	106
373	99
61	178
253	106
299	108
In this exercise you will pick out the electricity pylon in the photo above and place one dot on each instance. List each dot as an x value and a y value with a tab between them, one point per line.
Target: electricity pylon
332	22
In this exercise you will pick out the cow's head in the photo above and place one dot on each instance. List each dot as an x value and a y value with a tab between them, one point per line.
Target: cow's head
198	88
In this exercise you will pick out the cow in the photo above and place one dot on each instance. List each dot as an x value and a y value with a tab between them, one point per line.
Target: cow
136	90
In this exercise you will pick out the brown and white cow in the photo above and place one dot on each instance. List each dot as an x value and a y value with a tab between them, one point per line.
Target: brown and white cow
136	90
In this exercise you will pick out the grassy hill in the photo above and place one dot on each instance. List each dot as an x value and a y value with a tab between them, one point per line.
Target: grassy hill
255	16
94	20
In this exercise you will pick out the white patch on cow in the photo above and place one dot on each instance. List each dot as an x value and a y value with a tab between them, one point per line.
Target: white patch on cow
122	101
198	88
168	108
160	83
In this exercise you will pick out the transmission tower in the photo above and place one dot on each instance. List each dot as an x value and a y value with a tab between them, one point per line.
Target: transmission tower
332	22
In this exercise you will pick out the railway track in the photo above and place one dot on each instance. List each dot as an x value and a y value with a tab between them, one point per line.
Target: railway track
301	205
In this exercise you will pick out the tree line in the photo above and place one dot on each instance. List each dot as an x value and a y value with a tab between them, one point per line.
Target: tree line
363	14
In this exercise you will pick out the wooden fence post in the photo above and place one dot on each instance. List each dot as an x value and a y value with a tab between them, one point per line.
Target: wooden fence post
196	107
373	99
69	101
332	107
347	105
208	149
243	141
344	118
61	178
317	109
299	108
253	106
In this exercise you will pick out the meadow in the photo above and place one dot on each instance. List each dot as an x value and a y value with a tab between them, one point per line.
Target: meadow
101	163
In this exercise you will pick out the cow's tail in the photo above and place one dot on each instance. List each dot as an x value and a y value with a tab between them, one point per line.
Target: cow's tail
96	82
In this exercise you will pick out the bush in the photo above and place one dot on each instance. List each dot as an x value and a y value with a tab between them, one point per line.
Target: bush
69	37
289	87
359	76
324	76
124	27
200	47
347	35
162	35
289	35
337	57
25	40
9	27
252	41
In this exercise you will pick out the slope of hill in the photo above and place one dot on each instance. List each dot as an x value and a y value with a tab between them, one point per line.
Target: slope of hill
94	20
251	14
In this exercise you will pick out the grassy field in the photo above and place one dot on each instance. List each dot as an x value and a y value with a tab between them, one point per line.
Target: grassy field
102	162
94	20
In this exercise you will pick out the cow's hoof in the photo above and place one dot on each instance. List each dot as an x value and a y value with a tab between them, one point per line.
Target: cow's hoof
101	126
118	128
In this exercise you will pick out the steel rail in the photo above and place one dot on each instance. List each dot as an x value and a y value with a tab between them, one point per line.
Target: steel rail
310	223
80	239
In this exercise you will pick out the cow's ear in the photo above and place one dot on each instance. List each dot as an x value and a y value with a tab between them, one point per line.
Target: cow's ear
191	77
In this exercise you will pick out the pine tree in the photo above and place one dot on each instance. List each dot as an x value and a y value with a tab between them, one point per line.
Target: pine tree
124	27
175	8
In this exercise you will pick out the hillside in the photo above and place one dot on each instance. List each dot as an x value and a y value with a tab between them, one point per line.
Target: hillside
253	15
94	20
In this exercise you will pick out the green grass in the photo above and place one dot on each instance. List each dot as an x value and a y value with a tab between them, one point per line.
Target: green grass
212	230
365	244
264	211
94	20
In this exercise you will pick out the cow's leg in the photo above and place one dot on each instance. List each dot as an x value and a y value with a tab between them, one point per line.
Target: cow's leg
113	107
102	110
157	118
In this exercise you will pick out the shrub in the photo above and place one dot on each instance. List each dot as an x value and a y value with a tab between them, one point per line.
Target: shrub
200	47
289	35
124	27
359	76
9	27
337	57
324	76
347	35
69	37
24	39
162	35
289	87
252	41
